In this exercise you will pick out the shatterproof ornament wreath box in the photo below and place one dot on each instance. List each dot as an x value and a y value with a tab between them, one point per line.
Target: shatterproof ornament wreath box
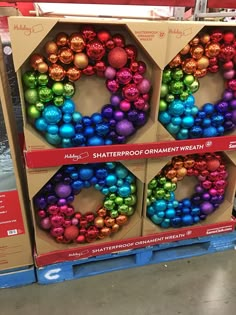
88	82
78	205
198	98
187	191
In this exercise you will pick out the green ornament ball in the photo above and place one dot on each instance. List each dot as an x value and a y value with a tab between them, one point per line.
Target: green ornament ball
177	74
152	184
159	193
177	87
109	204
112	196
188	79
162	106
58	88
31	96
148	201
152	199
149	192
184	95
45	94
130	211
164	90
43	79
69	90
166	76
167	186
162	180
167	196
133	188
58	100
123	209
33	112
29	79
170	98
114	214
193	88
119	200
39	106
130	201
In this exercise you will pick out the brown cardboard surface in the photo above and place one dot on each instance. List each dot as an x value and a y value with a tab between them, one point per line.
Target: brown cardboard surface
46	244
33	33
15	251
185	188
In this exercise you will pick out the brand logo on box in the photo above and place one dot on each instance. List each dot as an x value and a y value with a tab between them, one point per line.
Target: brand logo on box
75	157
180	33
218	230
28	30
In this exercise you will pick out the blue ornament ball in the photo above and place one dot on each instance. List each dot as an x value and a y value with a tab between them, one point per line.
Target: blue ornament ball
124	191
68	107
52	114
208	108
67	118
96	118
160	205
89	131
85	173
95	141
53	129
78	139
209	132
187	219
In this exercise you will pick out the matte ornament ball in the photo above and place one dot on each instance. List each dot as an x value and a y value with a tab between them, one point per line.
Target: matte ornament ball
117	57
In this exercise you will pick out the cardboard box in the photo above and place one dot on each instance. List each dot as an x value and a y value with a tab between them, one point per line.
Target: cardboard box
213	84
15	245
33	33
89	200
185	189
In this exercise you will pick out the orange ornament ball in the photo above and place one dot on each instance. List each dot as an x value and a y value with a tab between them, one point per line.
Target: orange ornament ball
71	232
176	61
117	57
99	222
35	60
62	39
197	51
203	63
212	165
185	50
189	66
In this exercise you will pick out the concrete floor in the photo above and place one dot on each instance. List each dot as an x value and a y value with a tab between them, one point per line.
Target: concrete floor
200	286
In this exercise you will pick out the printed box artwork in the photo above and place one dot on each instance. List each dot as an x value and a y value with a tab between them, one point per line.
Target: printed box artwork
15	247
91	83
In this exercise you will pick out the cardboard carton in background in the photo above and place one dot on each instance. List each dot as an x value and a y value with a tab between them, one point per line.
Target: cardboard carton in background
212	85
186	189
15	245
88	200
149	36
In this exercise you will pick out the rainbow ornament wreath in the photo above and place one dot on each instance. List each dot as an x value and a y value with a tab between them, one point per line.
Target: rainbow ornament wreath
162	206
207	53
49	88
66	223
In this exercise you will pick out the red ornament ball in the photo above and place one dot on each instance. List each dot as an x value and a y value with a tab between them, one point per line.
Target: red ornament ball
95	49
117	57
212	165
71	232
228	37
103	36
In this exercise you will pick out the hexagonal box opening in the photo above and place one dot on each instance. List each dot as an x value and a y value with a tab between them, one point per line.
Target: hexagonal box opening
113	66
76	205
188	190
198	98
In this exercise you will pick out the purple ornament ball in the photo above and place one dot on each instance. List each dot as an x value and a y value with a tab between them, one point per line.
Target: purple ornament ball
199	189
132	115
118	115
40	202
115	100
142	119
233	104
62	202
234	116
63	190
222	107
206	208
228	95
51	199
125	128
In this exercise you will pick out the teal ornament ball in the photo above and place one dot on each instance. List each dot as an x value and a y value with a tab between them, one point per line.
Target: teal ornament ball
124	191
164	118
156	219
160	205
77	117
52	129
67	118
121	172
53	139
52	114
111	180
173	129
41	124
67	131
176	108
187	121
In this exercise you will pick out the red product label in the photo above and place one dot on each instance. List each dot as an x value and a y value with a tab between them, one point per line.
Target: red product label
133	243
58	157
11	220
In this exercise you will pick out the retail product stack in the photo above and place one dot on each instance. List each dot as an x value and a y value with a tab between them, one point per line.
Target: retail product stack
15	245
129	134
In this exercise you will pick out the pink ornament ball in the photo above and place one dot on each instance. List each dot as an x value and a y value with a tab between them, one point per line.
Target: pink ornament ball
124	76
110	73
139	103
57	220
131	92
144	86
57	231
125	106
228	75
45	223
125	128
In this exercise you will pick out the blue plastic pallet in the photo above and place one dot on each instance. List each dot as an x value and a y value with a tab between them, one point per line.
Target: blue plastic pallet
17	277
135	258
